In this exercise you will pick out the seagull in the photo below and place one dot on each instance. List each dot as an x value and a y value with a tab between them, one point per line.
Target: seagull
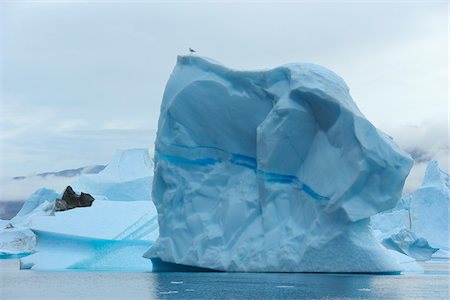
192	50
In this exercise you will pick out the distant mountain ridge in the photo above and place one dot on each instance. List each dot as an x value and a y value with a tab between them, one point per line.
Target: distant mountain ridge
67	173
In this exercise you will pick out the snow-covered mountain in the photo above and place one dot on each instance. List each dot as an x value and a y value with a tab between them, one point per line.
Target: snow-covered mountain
19	188
66	173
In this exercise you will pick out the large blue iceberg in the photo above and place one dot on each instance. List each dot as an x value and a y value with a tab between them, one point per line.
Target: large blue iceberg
269	171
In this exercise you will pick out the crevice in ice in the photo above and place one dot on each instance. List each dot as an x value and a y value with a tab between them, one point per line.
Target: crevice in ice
139	229
241	231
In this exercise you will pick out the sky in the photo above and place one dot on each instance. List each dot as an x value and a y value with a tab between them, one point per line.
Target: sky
80	79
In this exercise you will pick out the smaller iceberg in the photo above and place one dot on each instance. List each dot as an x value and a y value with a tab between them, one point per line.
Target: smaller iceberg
107	235
127	178
16	238
42	199
16	241
418	226
408	243
430	207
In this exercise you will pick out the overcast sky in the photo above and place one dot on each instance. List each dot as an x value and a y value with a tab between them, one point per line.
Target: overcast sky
80	79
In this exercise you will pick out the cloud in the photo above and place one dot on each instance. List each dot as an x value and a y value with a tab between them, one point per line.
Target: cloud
20	190
69	149
81	79
425	141
39	139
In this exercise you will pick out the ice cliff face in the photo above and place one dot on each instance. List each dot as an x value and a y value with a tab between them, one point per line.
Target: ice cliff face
430	207
271	170
127	178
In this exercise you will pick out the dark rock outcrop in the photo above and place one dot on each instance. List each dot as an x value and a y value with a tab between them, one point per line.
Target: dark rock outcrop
71	200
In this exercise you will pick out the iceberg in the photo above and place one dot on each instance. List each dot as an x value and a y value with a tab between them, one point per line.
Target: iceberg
420	219
407	242
16	241
16	238
430	207
269	171
108	235
127	178
37	199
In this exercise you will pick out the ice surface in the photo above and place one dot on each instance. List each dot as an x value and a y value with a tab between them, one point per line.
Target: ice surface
109	235
113	220
271	170
127	178
65	252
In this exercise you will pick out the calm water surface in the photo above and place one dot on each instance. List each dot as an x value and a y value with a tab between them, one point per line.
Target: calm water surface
16	284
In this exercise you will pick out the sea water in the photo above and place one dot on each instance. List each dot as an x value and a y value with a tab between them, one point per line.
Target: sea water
29	284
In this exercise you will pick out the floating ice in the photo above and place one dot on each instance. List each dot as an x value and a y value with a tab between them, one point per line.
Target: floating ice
16	238
272	170
16	241
407	242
